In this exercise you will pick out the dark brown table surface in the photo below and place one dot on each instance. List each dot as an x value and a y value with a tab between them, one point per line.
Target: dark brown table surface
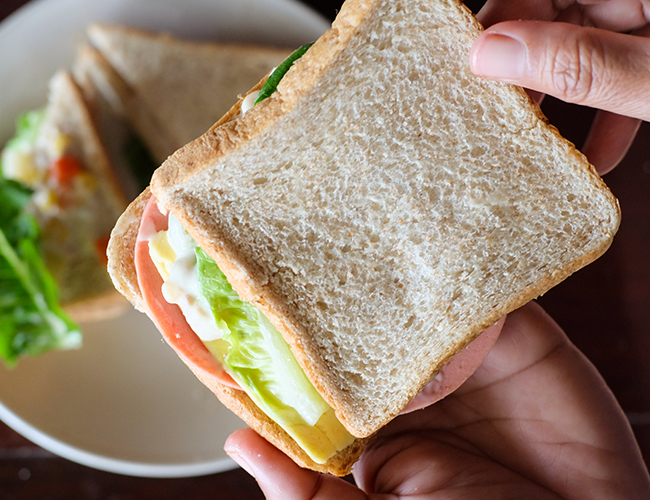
604	308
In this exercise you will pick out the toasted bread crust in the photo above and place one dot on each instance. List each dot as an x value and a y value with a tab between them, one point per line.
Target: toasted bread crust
121	250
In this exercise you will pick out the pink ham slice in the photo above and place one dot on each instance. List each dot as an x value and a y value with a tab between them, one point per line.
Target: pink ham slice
169	318
458	369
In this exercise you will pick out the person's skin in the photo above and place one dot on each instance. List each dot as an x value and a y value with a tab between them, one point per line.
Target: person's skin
535	420
581	57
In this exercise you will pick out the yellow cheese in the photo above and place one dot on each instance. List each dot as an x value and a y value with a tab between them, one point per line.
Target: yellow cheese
162	254
60	144
20	166
324	439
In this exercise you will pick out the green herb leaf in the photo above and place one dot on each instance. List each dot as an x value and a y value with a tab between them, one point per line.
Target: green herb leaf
27	127
273	80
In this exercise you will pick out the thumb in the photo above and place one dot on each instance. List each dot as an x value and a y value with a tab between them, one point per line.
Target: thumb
279	477
587	66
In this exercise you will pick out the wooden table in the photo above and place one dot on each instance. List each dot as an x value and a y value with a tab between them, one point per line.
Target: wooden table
604	308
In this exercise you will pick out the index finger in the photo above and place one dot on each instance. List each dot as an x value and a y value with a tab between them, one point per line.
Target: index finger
496	11
613	15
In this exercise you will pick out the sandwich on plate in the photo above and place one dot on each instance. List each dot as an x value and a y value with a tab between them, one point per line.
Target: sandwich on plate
170	90
352	223
109	99
60	201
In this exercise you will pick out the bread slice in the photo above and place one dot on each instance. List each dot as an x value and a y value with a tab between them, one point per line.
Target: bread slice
73	232
173	90
385	206
109	98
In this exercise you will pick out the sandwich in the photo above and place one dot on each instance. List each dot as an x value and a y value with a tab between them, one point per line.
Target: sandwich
320	253
170	90
109	99
62	199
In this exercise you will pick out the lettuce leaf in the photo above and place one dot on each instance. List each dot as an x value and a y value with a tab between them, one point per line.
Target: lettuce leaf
258	357
27	127
31	319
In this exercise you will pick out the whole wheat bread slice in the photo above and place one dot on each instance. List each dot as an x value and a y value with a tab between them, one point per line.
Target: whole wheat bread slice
385	206
173	90
109	98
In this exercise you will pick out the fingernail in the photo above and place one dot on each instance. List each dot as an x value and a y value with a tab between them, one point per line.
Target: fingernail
240	461
499	56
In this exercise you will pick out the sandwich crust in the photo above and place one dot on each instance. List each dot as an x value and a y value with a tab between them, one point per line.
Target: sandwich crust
91	297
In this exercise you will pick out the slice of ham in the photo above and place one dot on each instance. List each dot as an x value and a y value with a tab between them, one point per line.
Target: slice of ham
458	369
169	318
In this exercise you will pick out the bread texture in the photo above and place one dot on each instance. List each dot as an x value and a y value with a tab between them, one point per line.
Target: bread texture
69	237
385	206
109	98
174	90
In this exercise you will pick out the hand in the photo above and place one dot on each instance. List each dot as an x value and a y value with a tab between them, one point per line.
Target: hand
581	58
535	420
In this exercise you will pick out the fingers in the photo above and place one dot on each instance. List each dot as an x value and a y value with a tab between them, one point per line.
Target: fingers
496	11
279	477
618	15
609	139
458	370
551	381
587	66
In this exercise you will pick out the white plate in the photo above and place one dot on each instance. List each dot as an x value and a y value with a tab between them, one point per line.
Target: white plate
124	402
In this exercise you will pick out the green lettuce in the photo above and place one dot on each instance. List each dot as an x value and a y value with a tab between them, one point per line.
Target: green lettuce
271	84
27	127
257	356
31	319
